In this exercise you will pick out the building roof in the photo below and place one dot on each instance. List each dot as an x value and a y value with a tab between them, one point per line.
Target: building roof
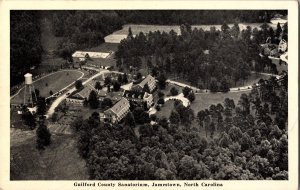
134	94
115	96
147	80
81	54
102	93
119	106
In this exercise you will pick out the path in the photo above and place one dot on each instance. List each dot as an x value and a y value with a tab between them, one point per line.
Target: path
235	89
47	76
284	56
180	97
64	96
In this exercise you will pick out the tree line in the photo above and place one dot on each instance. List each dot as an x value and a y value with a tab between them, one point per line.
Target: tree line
175	17
213	59
25	43
243	141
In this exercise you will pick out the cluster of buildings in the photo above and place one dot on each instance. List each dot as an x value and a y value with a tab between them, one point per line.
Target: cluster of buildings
121	99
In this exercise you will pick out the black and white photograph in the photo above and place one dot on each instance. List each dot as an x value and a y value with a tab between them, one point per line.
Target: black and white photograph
150	95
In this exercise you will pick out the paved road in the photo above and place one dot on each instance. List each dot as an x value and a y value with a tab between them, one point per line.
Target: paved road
235	89
58	100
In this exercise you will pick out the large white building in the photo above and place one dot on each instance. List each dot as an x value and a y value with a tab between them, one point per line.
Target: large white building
118	111
148	80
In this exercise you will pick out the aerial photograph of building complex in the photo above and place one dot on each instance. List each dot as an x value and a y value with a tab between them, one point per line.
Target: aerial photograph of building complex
149	95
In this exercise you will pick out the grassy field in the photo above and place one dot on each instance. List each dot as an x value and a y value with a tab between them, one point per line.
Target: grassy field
166	110
203	101
56	82
59	161
102	62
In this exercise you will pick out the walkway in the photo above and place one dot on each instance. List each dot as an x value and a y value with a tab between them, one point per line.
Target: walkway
64	96
180	97
284	58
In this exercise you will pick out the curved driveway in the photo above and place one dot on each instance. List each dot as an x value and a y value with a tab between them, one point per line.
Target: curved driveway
58	100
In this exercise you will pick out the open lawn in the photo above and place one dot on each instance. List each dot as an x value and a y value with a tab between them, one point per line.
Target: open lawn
55	81
102	62
59	161
166	110
203	101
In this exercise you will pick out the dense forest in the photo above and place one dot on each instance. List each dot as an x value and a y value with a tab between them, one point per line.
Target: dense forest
177	17
207	59
83	29
25	45
247	141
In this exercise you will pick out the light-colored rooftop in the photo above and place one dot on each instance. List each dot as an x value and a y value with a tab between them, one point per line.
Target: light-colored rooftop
81	54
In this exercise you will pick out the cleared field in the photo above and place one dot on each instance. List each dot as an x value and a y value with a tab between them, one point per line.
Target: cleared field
117	36
59	161
102	62
55	82
166	110
203	101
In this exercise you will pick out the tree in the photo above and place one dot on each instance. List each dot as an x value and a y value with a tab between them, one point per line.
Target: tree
235	133
98	86
130	35
93	100
278	30
207	121
213	87
186	90
146	88
125	78
224	140
162	81
235	30
229	103
28	117
191	96
224	87
78	84
43	136
129	120
116	86
160	94
161	101
37	92
107	81
41	106
174	91
120	79
244	103
201	116
174	118
106	103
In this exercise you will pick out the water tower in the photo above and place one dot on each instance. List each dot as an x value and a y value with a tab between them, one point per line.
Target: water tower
29	93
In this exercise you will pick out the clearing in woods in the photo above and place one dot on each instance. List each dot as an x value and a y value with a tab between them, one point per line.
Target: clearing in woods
59	161
54	82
